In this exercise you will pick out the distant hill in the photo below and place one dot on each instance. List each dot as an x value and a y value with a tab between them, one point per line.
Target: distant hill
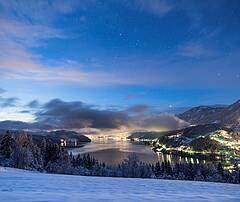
190	132
54	136
208	137
147	135
17	125
20	125
228	116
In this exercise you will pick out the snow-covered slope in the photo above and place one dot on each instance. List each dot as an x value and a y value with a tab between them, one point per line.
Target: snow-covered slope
18	185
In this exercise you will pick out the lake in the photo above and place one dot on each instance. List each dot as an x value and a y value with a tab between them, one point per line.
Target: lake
114	152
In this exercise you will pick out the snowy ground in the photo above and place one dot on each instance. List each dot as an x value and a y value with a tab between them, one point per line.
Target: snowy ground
18	185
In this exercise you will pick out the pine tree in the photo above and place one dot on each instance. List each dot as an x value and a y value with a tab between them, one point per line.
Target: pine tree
6	145
190	172
198	176
51	153
220	169
157	169
168	168
38	158
22	157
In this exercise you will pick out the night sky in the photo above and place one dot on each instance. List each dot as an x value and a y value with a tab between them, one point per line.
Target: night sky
108	56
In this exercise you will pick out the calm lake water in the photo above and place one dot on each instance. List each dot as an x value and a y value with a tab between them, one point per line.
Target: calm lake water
114	152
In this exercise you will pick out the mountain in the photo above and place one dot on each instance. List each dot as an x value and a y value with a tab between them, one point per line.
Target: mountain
60	134
188	133
228	116
17	125
147	135
54	136
209	137
40	131
20	125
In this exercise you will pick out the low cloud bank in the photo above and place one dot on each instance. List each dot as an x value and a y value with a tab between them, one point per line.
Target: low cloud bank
160	122
59	114
8	102
78	115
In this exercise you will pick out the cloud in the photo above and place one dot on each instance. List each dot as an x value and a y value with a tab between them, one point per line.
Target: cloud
20	35
17	62
16	40
79	115
8	102
43	12
34	104
130	96
156	7
19	69
25	112
194	50
160	122
76	115
2	91
140	108
27	34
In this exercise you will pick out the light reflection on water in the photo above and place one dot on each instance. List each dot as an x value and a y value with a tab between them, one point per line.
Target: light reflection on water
114	152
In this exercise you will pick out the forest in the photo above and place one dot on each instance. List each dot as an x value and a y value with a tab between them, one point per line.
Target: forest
20	151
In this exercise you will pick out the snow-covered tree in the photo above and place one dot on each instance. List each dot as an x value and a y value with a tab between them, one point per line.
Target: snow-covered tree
7	144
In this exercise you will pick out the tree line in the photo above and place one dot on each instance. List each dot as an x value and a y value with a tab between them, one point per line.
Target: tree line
20	151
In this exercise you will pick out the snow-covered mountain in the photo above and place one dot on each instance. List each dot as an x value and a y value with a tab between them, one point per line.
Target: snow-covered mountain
228	116
19	185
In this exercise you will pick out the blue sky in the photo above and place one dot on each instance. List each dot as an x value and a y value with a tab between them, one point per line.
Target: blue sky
119	53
